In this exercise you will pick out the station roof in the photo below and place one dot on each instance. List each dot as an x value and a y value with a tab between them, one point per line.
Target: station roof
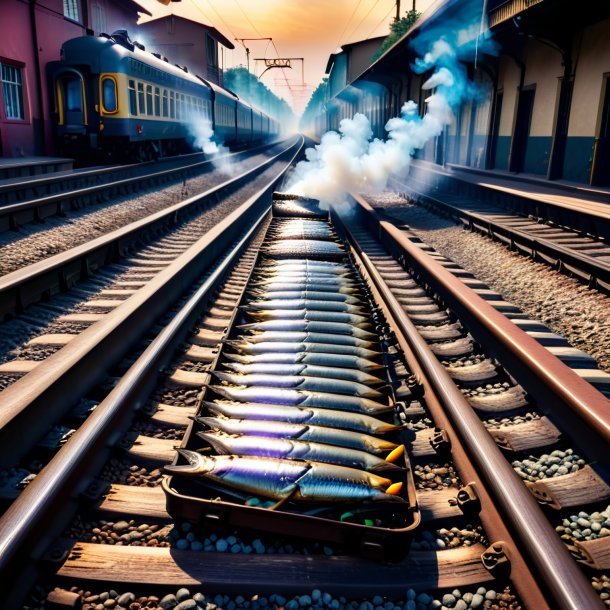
134	6
212	31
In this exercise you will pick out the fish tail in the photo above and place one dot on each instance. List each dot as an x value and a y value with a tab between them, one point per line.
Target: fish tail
396	454
394	489
383	467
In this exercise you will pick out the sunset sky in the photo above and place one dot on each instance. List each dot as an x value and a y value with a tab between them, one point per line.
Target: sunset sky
312	29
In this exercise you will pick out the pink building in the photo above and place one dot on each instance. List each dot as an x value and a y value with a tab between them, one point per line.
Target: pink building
31	35
187	43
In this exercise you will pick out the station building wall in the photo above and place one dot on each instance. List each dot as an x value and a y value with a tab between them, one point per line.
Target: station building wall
508	86
27	131
543	70
592	72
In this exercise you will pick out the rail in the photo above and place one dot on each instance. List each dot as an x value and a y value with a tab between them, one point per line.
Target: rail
561	576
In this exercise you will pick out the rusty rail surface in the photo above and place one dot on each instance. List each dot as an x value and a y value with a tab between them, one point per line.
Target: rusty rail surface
541	547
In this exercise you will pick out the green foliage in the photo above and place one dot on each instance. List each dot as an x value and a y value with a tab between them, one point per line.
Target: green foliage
257	94
397	30
315	105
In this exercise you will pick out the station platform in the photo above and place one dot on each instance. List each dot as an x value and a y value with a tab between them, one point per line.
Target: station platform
593	200
20	167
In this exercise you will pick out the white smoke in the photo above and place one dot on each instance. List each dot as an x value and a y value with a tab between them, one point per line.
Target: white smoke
202	137
351	161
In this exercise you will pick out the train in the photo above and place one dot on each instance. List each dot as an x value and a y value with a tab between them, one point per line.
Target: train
112	99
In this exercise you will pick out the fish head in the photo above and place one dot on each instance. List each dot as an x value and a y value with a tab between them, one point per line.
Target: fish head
197	464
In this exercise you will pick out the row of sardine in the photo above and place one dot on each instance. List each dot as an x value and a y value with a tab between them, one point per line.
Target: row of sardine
301	398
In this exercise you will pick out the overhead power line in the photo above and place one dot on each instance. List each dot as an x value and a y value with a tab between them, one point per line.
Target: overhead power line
347	24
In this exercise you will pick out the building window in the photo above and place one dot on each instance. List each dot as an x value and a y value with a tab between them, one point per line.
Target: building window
212	50
12	91
98	18
133	102
71	10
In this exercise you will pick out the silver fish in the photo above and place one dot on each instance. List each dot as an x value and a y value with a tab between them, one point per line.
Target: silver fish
328	360
280	288
303	398
305	370
306	295
311	314
301	383
303	279
289	479
302	432
280	347
303	337
305	326
330	418
284	448
300	304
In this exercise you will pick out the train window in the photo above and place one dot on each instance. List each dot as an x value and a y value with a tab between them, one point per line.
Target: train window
141	105
157	102
109	95
149	100
165	105
172	105
133	103
74	95
178	106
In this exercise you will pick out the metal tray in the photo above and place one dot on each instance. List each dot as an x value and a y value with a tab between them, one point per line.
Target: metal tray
374	530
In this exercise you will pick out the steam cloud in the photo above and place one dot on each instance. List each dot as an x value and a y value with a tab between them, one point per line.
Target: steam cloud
202	136
352	161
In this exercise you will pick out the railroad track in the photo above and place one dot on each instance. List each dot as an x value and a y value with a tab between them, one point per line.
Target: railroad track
572	239
33	200
502	545
28	284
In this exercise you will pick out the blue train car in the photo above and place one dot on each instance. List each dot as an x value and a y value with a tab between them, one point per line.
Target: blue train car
112	97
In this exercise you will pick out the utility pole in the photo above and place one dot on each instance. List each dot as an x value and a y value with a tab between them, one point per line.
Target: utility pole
243	41
397	18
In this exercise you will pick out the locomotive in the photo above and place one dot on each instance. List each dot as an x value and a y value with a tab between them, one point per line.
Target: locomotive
111	99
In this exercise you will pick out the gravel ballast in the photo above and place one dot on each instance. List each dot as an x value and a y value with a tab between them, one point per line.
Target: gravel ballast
565	305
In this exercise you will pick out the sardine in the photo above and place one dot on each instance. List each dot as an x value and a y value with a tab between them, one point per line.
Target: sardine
306	295
280	347
271	289
301	383
310	314
302	432
305	370
332	360
283	448
253	307
303	398
303	326
304	279
330	418
303	337
289	479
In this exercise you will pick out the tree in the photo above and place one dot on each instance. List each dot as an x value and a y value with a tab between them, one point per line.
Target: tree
257	94
397	30
315	105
